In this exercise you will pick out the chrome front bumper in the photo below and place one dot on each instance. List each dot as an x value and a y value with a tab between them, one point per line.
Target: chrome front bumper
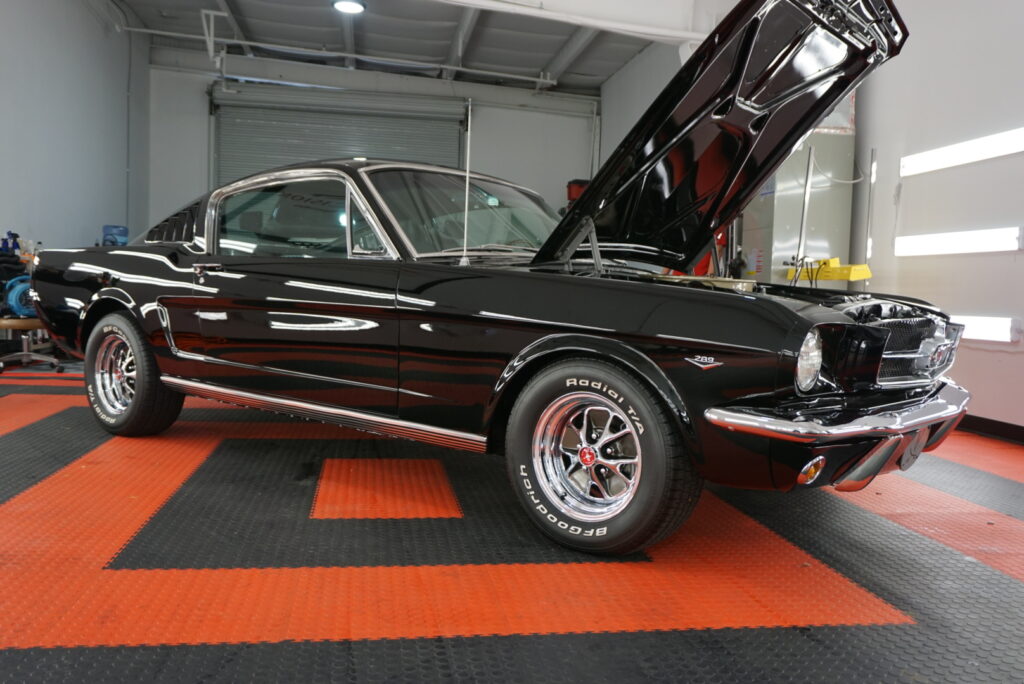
943	411
900	435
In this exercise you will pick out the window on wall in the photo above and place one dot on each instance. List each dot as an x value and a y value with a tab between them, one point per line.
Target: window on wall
302	219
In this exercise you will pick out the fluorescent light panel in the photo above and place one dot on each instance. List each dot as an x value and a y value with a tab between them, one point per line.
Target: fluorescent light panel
959	242
989	328
979	149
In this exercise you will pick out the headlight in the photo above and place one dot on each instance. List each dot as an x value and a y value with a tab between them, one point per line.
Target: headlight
808	365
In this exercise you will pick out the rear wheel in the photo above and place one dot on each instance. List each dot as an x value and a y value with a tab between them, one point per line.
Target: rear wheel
123	381
596	460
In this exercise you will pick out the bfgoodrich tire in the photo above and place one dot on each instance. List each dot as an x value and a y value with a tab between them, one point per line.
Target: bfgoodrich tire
596	460
123	381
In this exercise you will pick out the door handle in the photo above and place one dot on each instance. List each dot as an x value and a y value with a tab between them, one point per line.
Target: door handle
202	269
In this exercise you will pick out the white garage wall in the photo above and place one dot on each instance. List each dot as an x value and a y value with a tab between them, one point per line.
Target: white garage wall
179	141
540	150
630	91
69	155
951	84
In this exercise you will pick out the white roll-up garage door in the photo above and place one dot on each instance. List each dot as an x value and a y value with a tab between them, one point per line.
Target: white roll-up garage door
259	127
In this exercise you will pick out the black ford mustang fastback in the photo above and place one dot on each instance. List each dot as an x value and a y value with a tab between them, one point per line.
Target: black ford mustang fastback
355	293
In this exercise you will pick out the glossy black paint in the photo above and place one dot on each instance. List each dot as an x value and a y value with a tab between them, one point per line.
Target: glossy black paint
339	316
447	346
770	72
438	346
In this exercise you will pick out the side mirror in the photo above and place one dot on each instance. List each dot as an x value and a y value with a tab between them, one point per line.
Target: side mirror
251	221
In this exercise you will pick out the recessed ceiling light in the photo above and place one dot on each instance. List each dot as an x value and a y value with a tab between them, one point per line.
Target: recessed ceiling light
349	6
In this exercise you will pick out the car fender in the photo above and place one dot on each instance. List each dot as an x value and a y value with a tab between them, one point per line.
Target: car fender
541	351
100	305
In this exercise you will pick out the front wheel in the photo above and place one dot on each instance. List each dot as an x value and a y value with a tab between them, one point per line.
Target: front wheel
123	380
597	461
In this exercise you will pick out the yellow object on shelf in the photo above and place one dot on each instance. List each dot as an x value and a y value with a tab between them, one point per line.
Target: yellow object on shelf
831	269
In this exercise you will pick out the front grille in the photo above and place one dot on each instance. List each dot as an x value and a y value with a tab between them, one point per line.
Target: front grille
896	369
918	351
907	334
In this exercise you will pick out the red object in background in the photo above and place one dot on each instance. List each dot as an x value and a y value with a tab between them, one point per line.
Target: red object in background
575	188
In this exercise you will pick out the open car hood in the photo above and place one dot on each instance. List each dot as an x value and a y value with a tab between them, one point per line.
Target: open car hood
766	76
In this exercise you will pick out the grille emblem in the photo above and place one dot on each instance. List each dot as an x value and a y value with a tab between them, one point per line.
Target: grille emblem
940	355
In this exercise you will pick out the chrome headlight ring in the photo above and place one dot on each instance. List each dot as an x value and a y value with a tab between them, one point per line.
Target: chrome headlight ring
808	363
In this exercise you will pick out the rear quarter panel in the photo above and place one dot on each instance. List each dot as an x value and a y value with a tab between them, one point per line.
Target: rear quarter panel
75	286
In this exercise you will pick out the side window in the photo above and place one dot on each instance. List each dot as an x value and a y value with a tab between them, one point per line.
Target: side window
364	239
302	219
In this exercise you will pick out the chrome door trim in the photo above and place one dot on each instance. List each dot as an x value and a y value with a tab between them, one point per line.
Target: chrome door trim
366	422
295	176
192	356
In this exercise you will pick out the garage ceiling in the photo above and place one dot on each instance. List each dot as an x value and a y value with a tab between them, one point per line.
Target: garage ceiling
580	59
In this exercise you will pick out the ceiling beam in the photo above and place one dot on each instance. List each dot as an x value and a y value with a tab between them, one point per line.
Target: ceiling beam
665	22
212	41
457	49
225	7
570	50
284	71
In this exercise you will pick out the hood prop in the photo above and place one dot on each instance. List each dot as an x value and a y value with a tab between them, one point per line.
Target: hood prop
587	231
595	251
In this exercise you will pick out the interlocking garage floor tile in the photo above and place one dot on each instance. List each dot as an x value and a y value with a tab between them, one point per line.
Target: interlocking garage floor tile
193	556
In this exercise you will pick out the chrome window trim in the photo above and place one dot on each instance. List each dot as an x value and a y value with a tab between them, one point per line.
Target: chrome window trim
461	173
365	173
359	420
296	176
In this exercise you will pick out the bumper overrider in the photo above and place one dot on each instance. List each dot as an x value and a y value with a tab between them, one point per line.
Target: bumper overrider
901	434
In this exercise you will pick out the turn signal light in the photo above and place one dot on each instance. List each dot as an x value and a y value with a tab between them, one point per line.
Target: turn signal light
811	471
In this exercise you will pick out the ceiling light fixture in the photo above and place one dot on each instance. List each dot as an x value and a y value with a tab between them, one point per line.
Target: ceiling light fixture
349	6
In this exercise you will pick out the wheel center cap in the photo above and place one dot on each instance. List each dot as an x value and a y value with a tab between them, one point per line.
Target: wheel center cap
588	456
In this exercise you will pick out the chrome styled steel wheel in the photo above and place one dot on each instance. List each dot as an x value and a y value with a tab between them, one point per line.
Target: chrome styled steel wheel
122	379
581	433
587	456
114	370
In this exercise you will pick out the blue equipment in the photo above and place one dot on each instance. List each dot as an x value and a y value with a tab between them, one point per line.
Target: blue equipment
17	297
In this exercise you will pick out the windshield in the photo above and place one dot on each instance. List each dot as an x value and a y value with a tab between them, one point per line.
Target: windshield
429	208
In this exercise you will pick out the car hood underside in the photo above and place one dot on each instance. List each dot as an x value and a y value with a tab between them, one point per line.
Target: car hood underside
767	75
